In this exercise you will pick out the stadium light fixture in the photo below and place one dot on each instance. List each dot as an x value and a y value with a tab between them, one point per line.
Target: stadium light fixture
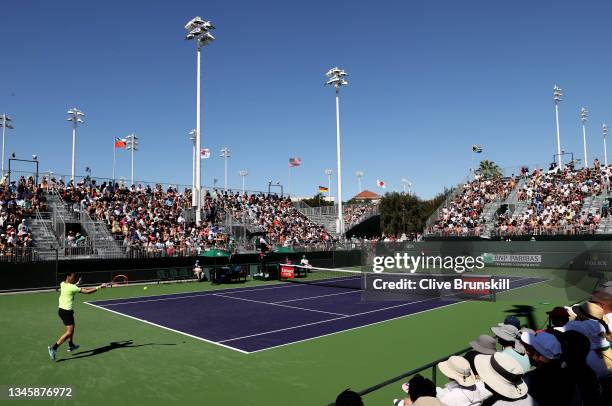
584	116
329	173
225	154
605	137
132	145
243	175
557	93
4	123
199	31
194	156
336	78
359	175
407	185
75	117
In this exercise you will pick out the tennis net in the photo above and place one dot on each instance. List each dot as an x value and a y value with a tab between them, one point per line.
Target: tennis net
394	286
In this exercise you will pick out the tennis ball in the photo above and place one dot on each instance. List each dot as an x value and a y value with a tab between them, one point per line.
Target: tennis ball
145	288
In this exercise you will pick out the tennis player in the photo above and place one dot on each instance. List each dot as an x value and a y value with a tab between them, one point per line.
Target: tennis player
68	289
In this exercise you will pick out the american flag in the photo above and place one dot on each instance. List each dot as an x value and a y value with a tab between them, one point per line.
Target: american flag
295	162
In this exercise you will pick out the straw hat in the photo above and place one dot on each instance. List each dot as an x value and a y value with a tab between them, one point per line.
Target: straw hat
458	369
502	373
427	401
588	310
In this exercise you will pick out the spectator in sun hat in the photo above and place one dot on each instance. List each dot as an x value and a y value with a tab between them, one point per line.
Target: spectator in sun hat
503	377
603	297
599	356
508	337
549	383
592	311
462	388
484	344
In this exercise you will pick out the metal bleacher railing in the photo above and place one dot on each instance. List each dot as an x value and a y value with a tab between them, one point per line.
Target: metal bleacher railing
430	366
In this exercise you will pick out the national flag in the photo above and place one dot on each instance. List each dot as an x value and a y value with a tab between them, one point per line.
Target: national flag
295	162
381	183
205	153
323	189
477	149
120	143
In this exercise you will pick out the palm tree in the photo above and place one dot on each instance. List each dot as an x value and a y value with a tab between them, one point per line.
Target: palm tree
489	169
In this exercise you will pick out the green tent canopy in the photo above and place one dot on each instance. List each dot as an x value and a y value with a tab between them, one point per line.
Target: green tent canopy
216	253
284	249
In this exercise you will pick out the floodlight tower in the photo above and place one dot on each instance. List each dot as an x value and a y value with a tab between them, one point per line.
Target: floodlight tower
329	173
243	175
225	154
74	116
359	175
584	116
199	30
194	157
132	145
557	93
5	123
605	136
407	185
337	79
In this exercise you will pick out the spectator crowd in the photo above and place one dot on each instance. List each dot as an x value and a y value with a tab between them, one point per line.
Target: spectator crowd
18	201
151	219
551	202
567	363
462	215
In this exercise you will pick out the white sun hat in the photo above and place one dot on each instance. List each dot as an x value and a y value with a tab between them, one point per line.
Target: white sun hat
502	373
458	369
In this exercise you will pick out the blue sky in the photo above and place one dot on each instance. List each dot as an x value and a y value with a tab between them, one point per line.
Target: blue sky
427	80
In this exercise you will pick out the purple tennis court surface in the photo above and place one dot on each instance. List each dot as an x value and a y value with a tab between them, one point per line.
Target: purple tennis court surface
262	317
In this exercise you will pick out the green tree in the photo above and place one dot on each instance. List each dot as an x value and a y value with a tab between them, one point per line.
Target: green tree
406	213
489	169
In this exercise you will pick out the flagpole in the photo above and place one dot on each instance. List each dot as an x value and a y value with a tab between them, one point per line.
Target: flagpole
289	183
114	159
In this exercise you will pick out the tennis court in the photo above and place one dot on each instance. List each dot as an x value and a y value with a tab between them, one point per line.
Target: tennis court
254	319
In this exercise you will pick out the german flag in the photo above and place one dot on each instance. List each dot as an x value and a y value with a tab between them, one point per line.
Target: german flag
323	189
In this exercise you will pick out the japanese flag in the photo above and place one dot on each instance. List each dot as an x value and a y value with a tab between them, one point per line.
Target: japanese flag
381	183
205	153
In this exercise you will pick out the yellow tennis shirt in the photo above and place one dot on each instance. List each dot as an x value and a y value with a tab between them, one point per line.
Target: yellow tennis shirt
67	292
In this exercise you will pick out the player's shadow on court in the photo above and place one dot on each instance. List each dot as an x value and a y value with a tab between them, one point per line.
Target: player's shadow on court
110	347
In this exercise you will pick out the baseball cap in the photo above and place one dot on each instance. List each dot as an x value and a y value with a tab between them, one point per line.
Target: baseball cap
513	321
544	343
593	330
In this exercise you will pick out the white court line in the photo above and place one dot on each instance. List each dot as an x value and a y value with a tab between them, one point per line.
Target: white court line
275	304
325	321
202	293
315	297
196	294
169	329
